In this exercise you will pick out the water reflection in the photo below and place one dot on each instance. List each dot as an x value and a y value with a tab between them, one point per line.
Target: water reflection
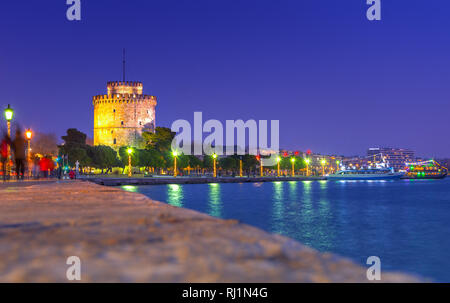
130	188
215	202
324	231
293	190
175	195
277	211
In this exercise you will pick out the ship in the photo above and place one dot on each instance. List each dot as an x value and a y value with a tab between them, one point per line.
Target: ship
425	170
366	174
381	171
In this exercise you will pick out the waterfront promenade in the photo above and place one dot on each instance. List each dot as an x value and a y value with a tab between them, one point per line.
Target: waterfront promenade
159	180
126	237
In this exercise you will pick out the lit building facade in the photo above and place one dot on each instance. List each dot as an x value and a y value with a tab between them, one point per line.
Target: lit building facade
397	157
123	114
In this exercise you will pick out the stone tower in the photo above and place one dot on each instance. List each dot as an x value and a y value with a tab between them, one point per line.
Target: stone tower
123	114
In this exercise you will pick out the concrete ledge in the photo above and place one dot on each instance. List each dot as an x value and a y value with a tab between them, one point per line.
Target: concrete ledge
193	180
126	237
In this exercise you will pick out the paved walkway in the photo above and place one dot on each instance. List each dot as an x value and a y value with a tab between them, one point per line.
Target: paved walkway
126	237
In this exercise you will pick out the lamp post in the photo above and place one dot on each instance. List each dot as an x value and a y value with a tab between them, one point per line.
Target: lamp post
293	164
323	162
29	135
240	166
261	169
337	165
307	160
129	151
278	166
214	163
9	113
175	154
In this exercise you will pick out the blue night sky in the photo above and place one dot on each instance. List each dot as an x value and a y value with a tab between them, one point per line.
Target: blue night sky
337	82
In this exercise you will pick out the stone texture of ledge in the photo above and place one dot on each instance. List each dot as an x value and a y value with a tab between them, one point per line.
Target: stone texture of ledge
126	237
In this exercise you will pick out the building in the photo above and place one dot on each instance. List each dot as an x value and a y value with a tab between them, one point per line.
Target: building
397	157
123	114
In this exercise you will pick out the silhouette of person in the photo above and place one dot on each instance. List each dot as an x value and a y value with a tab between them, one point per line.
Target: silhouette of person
19	147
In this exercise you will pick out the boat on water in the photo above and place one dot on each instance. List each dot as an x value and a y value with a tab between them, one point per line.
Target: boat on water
382	173
425	170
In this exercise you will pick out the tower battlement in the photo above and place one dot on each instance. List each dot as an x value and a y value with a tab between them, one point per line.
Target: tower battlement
124	87
123	98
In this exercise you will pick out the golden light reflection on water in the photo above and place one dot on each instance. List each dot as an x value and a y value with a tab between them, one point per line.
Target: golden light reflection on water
215	201
277	211
175	195
130	188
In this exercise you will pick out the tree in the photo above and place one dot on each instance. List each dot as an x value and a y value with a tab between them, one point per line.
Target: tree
102	156
74	136
44	144
75	147
160	140
123	153
229	163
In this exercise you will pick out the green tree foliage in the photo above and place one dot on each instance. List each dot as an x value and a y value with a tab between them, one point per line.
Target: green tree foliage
102	156
75	147
123	153
229	163
160	140
75	137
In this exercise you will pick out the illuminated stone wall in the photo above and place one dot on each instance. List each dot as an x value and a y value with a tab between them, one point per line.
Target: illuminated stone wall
123	114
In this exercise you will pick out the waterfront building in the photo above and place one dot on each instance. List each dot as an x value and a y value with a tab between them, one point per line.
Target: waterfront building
397	157
123	114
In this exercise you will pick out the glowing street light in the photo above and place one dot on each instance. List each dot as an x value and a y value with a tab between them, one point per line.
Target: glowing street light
175	154
29	135
337	165
214	162
307	160
278	165
129	151
293	164
9	114
323	162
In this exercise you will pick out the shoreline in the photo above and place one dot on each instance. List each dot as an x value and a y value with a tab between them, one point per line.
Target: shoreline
191	180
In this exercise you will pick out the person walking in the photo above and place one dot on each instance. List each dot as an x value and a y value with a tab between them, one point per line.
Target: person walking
36	167
19	146
4	153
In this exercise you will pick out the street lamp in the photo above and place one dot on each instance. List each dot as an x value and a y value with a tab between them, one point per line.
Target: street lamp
337	165
129	151
323	162
174	154
29	135
293	164
278	166
214	162
240	166
9	113
307	160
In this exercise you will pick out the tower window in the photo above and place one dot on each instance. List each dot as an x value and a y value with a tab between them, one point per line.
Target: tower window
114	110
121	123
115	141
140	123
